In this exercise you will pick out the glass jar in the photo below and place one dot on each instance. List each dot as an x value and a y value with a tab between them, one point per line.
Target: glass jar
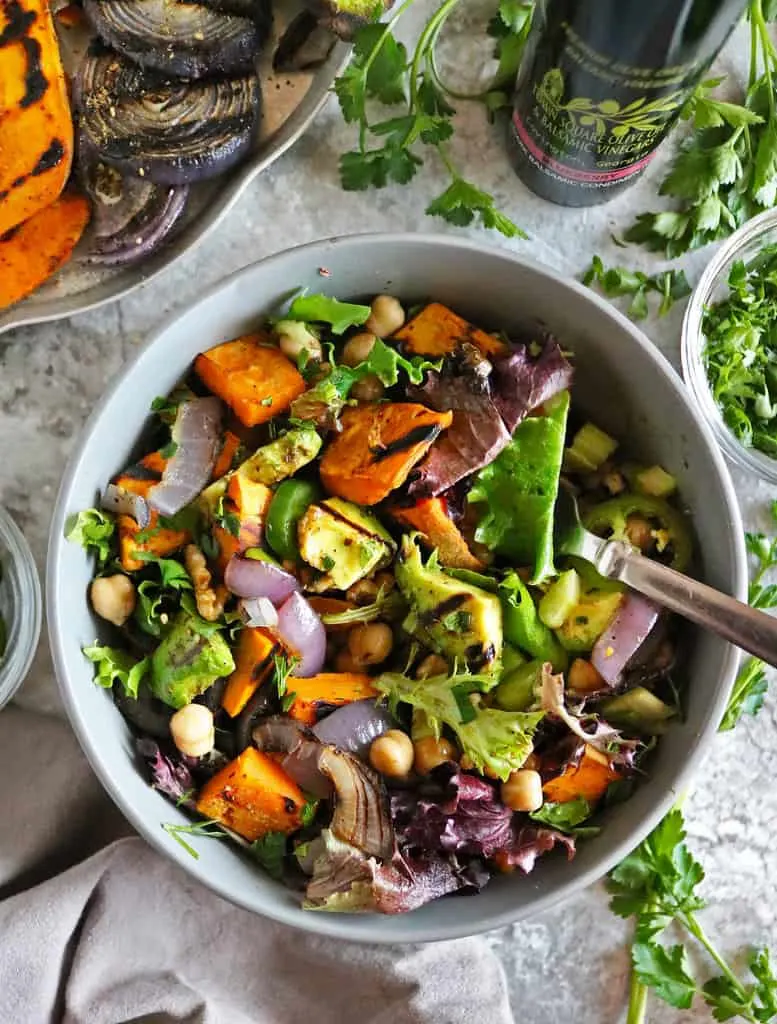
21	607
743	245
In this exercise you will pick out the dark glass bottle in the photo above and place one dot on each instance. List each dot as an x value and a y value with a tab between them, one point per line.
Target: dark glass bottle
601	84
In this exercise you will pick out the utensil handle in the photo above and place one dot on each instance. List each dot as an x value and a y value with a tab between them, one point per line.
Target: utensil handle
752	630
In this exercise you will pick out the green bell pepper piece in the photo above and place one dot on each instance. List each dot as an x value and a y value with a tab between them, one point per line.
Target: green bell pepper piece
288	505
610	517
523	627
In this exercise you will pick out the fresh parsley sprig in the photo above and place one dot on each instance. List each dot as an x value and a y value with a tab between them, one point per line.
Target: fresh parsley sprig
726	171
764	550
671	285
657	885
388	150
751	686
204	829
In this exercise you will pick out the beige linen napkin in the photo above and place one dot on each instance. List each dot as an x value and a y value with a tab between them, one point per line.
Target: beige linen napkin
102	934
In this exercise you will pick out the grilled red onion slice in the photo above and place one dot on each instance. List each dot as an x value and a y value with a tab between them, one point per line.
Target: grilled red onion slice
354	726
259	612
196	433
165	130
125	503
302	633
248	577
304	45
192	39
131	218
283	734
628	630
361	804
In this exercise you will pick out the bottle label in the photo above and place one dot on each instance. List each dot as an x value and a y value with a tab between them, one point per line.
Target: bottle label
569	122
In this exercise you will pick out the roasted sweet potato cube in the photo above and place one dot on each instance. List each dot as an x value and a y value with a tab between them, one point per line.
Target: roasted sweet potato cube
154	539
328	689
249	502
253	795
437	331
229	445
430	517
377	448
588	779
253	377
254	663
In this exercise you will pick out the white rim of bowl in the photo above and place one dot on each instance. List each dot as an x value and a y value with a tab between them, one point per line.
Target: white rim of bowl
334	925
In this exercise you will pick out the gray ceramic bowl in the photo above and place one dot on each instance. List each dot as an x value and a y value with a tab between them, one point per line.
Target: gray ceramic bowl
622	381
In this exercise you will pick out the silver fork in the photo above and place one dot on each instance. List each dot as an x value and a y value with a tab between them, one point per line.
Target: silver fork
752	630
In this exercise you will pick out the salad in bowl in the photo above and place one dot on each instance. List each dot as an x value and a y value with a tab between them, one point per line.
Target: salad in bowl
333	615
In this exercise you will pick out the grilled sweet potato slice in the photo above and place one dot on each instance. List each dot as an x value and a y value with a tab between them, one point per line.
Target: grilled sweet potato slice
36	129
32	252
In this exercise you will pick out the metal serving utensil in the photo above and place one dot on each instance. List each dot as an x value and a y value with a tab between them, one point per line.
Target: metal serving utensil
752	630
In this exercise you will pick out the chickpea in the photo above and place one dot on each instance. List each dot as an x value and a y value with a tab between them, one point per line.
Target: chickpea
392	754
370	643
113	598
639	532
363	592
432	665
344	662
523	791
357	349
295	339
429	752
192	730
368	389
387	316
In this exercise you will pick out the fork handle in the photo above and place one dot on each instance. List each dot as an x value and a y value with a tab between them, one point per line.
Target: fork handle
752	630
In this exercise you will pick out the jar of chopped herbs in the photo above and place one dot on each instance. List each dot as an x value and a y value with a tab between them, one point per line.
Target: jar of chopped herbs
729	346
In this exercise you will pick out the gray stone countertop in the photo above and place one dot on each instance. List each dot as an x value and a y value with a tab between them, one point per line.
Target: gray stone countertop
569	964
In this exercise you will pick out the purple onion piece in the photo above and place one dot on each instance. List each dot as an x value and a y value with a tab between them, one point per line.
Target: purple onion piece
628	630
131	217
250	578
165	130
259	612
354	726
196	433
302	633
125	503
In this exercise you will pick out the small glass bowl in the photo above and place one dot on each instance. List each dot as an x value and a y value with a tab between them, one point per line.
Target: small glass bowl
21	606
744	245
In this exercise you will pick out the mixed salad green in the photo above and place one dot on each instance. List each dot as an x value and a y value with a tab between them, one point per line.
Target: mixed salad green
335	620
